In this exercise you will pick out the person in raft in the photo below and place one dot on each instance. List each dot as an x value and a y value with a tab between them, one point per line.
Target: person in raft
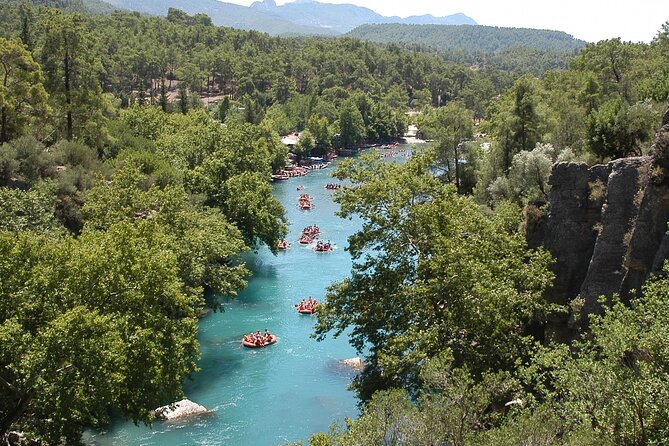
259	341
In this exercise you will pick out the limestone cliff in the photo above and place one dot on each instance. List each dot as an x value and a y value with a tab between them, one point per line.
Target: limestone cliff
606	227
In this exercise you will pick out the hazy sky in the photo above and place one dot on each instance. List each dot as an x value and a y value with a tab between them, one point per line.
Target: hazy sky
591	20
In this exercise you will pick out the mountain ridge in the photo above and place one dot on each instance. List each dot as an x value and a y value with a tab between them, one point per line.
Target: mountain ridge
308	17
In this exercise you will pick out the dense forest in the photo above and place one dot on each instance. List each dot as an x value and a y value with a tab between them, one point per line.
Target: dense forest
135	170
511	49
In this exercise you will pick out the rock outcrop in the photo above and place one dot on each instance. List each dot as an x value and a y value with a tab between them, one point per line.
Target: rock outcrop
180	410
355	363
606	227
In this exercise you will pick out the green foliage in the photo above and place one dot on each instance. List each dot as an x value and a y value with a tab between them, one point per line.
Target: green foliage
320	130
431	273
450	127
205	244
528	177
516	123
90	324
617	130
229	165
452	409
350	124
613	380
474	39
22	95
539	426
24	160
28	210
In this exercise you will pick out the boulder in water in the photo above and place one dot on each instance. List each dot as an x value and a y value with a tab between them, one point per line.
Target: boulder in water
355	363
182	409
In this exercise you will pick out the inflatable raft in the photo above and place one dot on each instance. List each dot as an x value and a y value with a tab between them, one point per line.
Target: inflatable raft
311	310
249	344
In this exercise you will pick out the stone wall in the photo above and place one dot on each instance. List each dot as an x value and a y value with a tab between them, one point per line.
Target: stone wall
606	227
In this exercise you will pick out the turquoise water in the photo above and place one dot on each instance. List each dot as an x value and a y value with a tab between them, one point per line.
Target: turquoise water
284	392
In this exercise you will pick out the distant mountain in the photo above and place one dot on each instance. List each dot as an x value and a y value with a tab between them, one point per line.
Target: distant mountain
429	19
223	14
299	17
472	39
345	17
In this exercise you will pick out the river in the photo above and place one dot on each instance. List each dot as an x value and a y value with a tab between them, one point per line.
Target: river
284	392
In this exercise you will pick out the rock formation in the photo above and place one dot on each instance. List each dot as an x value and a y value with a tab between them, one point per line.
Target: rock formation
179	410
606	227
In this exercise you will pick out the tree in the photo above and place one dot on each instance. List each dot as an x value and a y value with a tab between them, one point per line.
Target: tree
351	125
430	272
218	162
305	145
450	126
27	18
527	179
71	67
28	210
611	60
91	324
163	95
318	127
223	109
617	130
22	95
24	160
182	97
526	125
206	245
515	121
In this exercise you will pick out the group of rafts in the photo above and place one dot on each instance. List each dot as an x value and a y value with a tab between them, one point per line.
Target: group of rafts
259	339
308	306
309	235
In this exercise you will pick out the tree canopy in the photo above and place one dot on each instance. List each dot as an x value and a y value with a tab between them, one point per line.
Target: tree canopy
431	273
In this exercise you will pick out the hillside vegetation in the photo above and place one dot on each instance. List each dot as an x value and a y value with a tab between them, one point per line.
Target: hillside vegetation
521	49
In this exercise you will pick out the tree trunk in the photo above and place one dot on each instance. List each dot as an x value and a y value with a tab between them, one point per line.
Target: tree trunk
68	95
457	169
13	415
3	125
4	137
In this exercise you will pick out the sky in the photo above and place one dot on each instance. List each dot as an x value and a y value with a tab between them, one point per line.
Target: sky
590	20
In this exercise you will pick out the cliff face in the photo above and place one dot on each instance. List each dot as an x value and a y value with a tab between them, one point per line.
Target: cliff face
606	227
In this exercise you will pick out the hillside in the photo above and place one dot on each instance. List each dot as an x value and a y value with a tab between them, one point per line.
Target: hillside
83	6
483	39
98	7
510	49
